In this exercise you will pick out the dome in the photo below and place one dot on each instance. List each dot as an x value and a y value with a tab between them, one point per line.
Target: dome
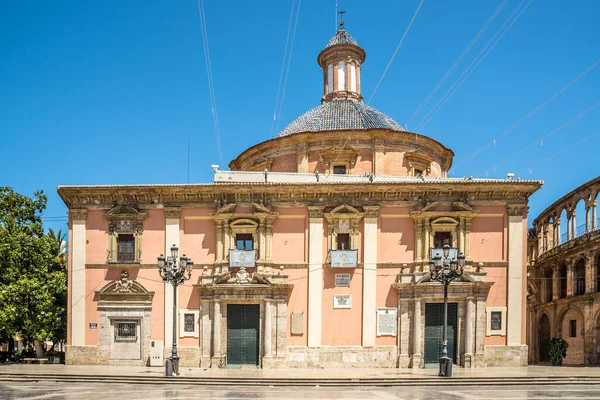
341	37
342	114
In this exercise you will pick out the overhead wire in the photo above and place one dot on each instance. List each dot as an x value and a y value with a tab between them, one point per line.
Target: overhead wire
285	50
471	68
530	114
396	51
541	140
563	151
211	85
456	63
288	65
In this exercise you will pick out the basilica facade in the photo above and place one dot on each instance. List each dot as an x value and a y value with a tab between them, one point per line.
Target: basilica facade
312	250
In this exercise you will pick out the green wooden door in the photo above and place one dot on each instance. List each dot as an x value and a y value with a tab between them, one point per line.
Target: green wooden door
434	325
242	333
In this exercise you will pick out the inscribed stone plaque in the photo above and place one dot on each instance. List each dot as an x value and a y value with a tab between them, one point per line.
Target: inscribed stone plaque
342	280
496	320
297	327
386	321
342	301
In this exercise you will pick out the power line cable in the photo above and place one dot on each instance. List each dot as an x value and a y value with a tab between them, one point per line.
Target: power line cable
477	60
530	114
285	50
543	138
211	86
456	63
288	65
396	51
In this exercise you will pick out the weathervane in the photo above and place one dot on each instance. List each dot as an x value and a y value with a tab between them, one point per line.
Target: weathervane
342	19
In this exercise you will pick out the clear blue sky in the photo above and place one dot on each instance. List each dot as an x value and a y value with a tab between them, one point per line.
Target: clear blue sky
107	92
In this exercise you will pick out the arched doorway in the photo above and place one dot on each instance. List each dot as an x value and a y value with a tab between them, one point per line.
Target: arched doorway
544	338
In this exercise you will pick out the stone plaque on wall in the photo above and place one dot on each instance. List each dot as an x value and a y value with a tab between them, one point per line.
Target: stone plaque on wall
342	280
386	321
342	301
297	325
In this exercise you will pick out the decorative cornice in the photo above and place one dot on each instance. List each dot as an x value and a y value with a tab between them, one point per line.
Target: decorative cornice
516	210
371	211
315	211
77	215
172	212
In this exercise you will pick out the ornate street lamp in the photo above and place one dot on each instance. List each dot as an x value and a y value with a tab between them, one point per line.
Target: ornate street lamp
174	272
445	265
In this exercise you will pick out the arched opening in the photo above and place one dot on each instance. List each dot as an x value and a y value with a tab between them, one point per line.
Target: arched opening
548	285
563	281
579	219
563	227
341	81
544	338
579	275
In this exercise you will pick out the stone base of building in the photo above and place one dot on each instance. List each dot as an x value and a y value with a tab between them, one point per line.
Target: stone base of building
505	356
335	357
93	355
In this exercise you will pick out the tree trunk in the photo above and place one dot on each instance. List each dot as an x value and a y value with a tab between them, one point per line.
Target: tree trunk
39	351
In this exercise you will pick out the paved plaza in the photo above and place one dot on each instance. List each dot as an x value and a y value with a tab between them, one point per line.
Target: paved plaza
50	390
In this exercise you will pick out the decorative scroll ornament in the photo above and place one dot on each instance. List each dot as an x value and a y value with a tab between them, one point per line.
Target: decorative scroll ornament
124	285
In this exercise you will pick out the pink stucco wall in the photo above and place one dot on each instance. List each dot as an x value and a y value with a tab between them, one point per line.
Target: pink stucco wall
396	241
197	235
297	303
342	327
487	238
496	297
96	249
387	296
153	237
289	236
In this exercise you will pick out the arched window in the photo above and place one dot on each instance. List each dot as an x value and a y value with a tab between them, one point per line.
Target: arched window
341	83
580	278
330	78
353	77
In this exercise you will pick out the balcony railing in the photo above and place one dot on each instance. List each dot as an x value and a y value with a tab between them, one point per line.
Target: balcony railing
579	231
116	257
242	258
343	258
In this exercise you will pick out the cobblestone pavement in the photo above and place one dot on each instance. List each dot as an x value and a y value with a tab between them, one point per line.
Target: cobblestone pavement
49	390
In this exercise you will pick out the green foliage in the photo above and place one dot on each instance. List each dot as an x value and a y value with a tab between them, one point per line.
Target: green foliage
557	350
32	279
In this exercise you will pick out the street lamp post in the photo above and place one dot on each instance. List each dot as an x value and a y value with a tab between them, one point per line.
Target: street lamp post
173	271
445	265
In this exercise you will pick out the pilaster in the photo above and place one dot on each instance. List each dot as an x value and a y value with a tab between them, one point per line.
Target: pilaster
216	334
315	275
172	217
77	301
515	275
416	345
369	303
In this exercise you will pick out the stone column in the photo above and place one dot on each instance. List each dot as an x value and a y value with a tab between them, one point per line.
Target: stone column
262	241
479	333
469	316
419	239
404	324
216	334
268	329
556	292
172	216
468	237
515	275
205	338
557	231
77	277
590	282
574	225
594	220
281	331
315	275
461	233
369	298
570	285
587	219
219	227
269	237
427	245
416	349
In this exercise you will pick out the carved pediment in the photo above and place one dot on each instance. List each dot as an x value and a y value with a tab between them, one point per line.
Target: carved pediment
461	206
227	208
345	209
430	206
125	219
444	221
124	290
260	207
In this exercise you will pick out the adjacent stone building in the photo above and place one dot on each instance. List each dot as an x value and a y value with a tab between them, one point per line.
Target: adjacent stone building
564	278
312	251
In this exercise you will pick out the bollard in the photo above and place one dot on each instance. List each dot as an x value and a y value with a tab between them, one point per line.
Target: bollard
169	367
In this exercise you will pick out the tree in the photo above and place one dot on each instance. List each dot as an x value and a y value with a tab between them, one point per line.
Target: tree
32	279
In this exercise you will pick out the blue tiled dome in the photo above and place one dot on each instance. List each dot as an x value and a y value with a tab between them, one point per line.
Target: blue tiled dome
341	37
340	115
